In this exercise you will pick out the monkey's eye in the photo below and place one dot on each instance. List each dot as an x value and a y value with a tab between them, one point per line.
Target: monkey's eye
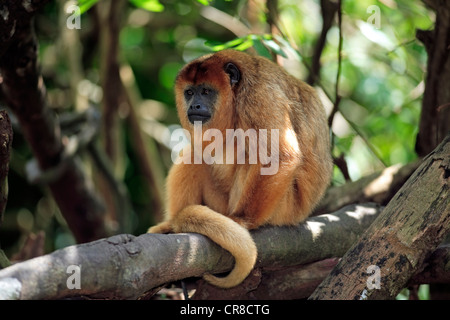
205	91
189	92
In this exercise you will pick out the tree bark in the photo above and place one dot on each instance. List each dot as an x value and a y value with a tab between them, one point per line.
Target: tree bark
6	137
126	267
409	229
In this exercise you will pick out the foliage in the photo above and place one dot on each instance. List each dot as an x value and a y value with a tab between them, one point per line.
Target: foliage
423	293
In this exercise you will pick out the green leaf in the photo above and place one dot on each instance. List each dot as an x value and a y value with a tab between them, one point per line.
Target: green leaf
85	5
230	44
204	2
285	44
213	43
262	44
149	5
424	292
261	49
275	47
244	45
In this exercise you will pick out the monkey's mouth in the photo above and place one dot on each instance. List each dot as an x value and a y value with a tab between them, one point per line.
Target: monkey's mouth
198	115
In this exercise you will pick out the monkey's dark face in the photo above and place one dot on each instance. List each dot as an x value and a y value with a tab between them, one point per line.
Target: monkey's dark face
205	91
200	100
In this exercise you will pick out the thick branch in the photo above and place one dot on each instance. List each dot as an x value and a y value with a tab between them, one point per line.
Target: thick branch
125	266
299	282
412	225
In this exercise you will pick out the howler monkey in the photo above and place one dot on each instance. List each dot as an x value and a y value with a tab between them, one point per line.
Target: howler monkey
231	90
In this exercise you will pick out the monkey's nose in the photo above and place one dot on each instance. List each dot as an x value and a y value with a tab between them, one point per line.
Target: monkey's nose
198	112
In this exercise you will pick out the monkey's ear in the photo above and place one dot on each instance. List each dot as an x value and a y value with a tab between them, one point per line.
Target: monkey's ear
233	72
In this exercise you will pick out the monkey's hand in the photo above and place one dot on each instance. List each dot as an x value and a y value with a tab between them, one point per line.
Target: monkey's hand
163	227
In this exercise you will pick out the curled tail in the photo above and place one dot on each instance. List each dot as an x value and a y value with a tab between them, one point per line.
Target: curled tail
225	232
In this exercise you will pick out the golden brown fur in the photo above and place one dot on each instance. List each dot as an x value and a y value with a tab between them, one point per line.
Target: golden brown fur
223	201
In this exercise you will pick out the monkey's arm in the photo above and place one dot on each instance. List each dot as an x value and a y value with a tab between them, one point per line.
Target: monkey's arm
183	189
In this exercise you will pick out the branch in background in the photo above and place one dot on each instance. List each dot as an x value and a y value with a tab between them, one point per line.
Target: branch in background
110	13
109	16
378	187
329	9
408	230
354	127
337	99
126	267
434	119
24	92
342	165
272	16
369	145
71	51
113	189
225	20
119	192
117	102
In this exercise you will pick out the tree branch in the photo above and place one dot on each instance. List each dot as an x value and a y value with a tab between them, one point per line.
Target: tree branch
126	267
110	13
412	225
435	268
329	9
434	124
378	187
6	137
337	99
299	282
